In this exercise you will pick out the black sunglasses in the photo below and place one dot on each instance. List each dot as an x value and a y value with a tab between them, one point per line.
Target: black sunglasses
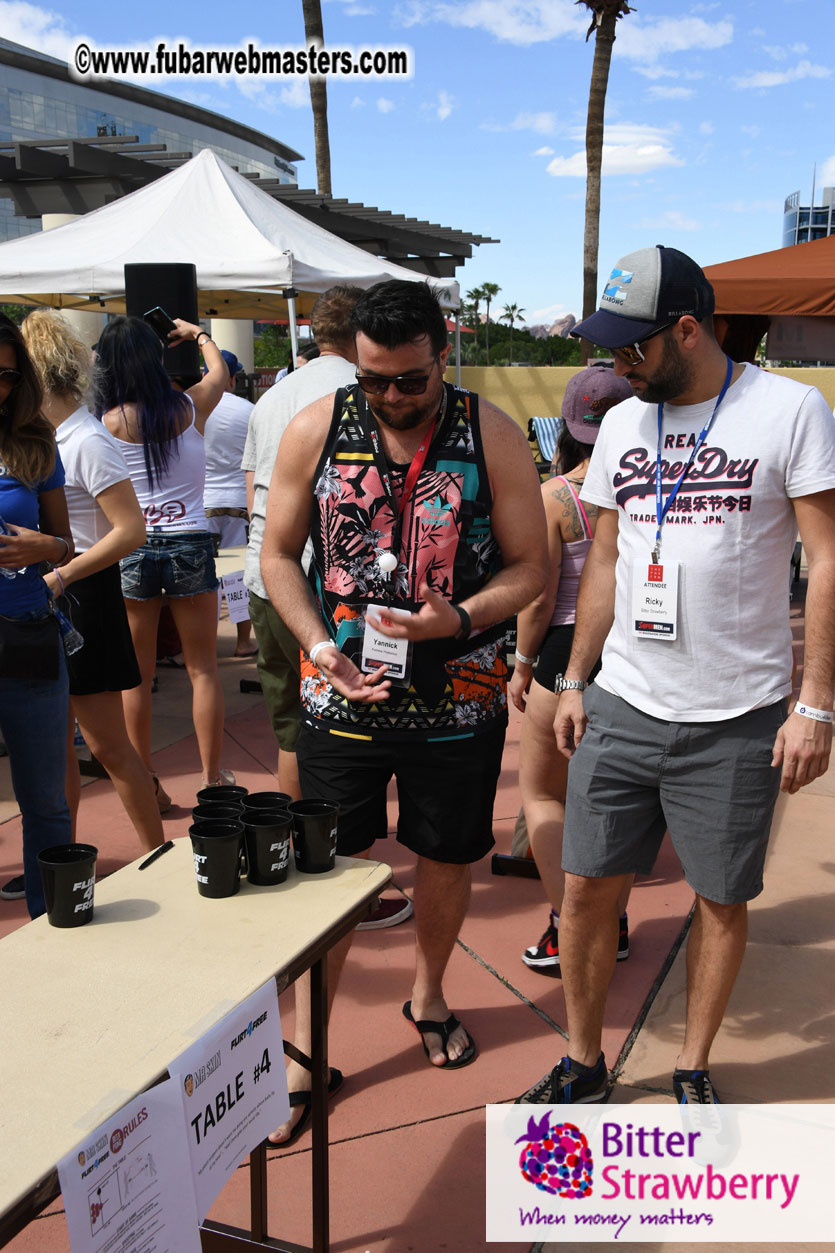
406	384
631	354
12	377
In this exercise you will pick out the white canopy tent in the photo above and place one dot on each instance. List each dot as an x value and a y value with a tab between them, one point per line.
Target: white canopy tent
248	249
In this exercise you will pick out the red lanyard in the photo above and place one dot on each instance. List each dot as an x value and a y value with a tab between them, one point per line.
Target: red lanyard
413	473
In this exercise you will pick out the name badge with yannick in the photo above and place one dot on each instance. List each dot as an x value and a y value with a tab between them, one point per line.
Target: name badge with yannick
380	650
655	600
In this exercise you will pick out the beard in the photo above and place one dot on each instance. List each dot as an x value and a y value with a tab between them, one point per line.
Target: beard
672	378
410	412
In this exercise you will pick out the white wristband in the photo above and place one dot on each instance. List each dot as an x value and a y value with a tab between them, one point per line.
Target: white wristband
317	648
817	715
526	661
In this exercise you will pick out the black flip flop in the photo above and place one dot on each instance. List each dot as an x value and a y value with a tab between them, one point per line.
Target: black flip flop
305	1099
444	1030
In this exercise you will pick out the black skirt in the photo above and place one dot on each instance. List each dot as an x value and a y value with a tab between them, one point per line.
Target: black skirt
107	662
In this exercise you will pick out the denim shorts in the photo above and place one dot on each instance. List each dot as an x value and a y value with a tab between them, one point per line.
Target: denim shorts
177	565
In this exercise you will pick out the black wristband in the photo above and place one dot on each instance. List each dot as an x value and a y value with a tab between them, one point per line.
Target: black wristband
466	629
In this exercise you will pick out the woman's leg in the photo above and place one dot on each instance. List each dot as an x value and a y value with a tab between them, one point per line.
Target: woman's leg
72	781
33	723
196	620
102	723
143	619
542	778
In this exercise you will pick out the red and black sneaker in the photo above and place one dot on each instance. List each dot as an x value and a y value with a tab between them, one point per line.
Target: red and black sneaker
546	954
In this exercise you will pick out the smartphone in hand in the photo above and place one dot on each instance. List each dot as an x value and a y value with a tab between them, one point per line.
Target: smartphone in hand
160	321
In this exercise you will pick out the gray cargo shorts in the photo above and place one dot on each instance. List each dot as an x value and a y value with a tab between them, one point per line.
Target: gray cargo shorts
711	783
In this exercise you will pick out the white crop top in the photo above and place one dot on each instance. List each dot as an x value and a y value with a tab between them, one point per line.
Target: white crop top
175	502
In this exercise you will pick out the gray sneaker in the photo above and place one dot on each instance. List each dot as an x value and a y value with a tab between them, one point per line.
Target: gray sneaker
565	1085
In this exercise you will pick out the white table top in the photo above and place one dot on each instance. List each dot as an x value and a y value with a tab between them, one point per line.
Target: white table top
94	1014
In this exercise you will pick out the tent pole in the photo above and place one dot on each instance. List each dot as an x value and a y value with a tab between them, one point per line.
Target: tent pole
457	347
291	313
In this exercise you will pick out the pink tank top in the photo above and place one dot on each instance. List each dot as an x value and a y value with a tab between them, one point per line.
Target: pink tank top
573	559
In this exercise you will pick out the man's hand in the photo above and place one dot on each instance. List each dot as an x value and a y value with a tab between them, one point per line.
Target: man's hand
802	748
436	620
570	722
341	673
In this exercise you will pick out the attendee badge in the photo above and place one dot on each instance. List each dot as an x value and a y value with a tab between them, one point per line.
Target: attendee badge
655	600
381	650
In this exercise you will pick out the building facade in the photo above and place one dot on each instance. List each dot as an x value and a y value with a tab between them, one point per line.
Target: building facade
39	100
802	223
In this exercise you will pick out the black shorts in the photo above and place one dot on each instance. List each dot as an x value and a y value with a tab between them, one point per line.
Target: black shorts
445	790
554	655
107	662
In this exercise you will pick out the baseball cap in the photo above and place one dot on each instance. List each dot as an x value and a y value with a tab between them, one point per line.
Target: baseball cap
233	365
588	396
646	290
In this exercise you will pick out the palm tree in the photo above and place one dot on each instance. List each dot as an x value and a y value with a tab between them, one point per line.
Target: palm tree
489	291
510	314
475	297
313	33
605	15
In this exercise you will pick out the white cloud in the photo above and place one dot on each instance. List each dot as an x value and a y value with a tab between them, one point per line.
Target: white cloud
752	131
384	105
776	78
297	95
647	41
752	206
357	103
522	22
352	9
544	152
627	149
446	103
670	93
672	220
779	52
706	128
548	314
540	123
34	27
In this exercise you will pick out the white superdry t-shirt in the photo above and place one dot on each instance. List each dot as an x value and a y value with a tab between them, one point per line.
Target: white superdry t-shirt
732	528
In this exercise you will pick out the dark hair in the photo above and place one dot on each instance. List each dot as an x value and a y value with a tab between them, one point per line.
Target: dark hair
27	439
129	370
310	352
569	452
330	321
398	312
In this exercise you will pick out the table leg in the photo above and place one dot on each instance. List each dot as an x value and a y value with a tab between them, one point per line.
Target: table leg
319	1086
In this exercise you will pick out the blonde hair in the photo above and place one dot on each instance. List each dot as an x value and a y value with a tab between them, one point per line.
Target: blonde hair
60	357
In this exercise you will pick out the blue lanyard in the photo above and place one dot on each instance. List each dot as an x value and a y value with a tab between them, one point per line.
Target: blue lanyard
662	508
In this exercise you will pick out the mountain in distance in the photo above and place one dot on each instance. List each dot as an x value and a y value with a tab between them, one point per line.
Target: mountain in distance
562	327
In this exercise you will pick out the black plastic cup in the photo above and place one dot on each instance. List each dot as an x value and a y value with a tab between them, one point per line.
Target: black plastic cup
268	800
223	793
314	835
68	874
267	838
208	811
216	846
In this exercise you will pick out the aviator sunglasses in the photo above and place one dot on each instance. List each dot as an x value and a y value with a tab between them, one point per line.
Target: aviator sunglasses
631	354
12	377
406	384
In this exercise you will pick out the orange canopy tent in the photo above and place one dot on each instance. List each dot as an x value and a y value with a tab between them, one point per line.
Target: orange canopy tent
757	294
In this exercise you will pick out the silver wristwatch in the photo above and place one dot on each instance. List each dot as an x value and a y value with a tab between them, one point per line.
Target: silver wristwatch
562	684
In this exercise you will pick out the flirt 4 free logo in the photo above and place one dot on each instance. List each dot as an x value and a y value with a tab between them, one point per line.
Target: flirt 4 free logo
556	1158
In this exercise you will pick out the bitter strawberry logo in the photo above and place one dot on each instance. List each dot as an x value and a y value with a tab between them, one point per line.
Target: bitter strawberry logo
556	1159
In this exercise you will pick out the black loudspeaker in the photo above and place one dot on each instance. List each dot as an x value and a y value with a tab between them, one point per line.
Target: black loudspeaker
173	287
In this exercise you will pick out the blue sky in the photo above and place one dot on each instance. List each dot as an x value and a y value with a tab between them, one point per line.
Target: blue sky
715	113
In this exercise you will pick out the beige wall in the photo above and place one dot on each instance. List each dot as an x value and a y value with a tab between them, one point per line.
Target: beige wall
537	391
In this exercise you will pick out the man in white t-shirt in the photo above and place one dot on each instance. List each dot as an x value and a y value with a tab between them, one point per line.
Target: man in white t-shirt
224	496
702	480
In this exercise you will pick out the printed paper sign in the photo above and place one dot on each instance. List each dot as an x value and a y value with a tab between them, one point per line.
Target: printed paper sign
235	1091
126	1187
660	1174
655	600
237	596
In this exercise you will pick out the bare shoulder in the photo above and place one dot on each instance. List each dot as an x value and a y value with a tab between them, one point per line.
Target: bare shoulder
561	509
506	450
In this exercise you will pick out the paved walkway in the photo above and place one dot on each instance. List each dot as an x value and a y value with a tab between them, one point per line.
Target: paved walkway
407	1154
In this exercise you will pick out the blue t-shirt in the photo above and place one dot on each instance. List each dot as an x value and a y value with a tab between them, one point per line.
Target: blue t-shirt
26	592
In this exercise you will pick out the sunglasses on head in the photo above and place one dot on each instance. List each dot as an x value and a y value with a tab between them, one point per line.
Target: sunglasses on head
12	377
631	354
406	384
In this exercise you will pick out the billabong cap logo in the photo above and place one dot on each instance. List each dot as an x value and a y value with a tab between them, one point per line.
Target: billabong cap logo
614	291
556	1158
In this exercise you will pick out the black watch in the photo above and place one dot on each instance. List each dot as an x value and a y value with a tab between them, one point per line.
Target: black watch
562	684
